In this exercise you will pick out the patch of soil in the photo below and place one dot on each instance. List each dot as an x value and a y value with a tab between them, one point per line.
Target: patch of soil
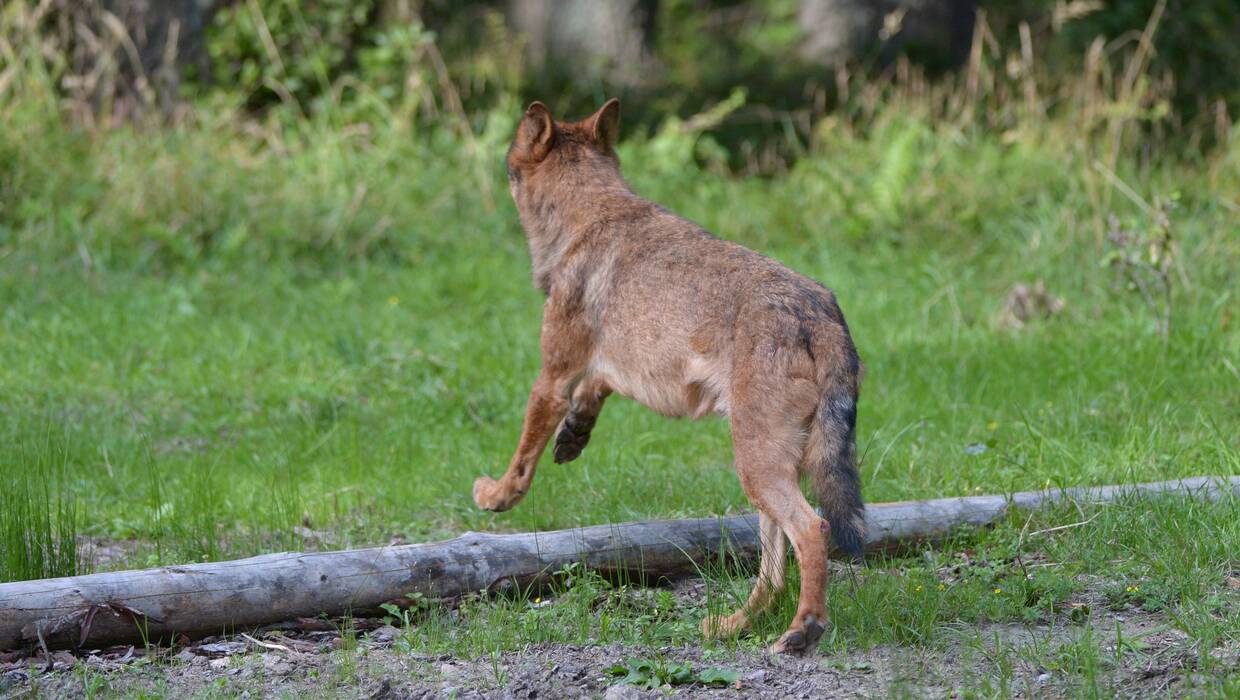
107	554
309	658
377	670
313	665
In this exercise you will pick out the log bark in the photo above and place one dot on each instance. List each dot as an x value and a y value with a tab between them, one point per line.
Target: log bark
161	604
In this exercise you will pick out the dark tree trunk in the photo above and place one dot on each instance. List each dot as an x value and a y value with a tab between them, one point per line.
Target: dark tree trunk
588	40
931	31
126	58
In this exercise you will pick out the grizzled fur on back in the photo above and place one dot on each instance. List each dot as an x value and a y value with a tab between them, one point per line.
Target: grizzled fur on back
646	304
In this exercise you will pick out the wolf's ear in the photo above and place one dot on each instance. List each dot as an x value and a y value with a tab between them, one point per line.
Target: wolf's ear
604	125
537	130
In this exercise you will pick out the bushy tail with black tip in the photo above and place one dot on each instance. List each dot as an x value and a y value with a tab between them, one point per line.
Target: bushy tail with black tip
831	463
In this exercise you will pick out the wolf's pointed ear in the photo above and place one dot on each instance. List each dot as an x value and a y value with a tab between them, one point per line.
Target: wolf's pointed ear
604	125
537	130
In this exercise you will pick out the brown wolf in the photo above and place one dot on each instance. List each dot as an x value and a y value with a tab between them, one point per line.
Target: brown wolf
649	305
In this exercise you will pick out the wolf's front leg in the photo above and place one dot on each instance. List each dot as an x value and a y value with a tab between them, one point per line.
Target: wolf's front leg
543	412
566	348
574	432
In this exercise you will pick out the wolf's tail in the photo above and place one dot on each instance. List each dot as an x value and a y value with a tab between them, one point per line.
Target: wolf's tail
831	463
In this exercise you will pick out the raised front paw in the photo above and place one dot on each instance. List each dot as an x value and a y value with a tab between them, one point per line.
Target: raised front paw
572	437
490	494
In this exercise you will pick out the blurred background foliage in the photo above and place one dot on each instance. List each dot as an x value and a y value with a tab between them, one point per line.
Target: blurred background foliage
234	90
795	61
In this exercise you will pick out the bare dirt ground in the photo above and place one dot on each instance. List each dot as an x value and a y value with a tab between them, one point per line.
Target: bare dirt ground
310	659
540	671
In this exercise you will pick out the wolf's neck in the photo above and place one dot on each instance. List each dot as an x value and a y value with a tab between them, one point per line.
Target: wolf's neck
557	222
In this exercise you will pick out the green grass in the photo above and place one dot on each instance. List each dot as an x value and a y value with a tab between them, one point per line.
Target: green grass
37	531
205	402
214	333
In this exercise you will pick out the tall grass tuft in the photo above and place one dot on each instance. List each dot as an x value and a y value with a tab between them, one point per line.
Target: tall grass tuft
38	532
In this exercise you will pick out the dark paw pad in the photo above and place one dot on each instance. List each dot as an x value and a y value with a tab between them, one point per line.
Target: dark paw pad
572	438
813	631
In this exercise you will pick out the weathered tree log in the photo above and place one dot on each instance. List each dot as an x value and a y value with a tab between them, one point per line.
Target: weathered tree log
160	604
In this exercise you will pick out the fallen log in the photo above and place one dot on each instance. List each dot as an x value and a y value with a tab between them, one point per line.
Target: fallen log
161	604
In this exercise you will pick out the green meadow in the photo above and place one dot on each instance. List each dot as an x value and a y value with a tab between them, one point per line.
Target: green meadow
206	343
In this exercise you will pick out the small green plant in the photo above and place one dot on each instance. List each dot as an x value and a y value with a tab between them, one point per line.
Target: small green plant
1082	657
94	683
1148	596
405	613
498	673
1127	644
346	668
651	674
347	628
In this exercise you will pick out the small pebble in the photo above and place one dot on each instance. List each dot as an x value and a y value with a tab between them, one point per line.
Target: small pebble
276	665
622	692
384	634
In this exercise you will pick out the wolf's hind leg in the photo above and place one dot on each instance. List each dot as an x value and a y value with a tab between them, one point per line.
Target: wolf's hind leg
809	535
770	582
768	442
574	431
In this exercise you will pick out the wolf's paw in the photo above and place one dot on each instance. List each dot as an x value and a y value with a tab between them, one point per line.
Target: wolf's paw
799	642
724	626
571	439
489	494
568	446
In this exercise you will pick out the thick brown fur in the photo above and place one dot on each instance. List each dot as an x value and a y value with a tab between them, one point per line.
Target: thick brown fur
648	305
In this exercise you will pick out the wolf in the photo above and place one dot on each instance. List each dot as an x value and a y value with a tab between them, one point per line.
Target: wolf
645	304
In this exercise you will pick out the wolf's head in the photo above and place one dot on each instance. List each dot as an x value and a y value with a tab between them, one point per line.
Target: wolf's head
548	153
